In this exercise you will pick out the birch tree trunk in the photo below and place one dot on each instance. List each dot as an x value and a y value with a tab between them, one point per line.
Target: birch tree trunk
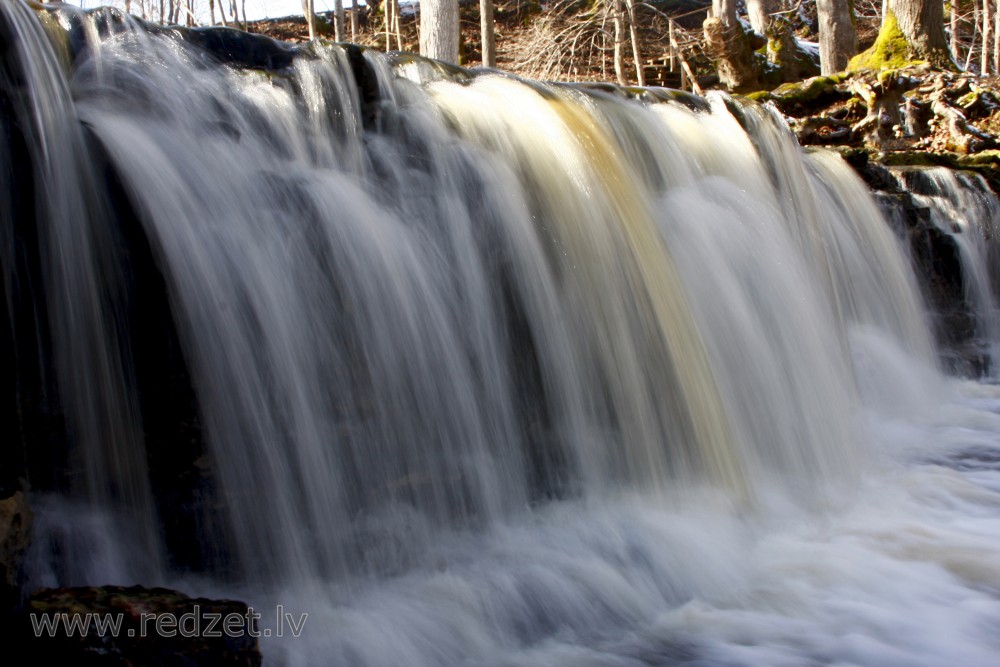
439	30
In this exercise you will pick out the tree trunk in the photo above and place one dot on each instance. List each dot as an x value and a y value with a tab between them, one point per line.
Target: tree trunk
307	9
975	32
640	75
354	22
953	21
725	11
733	54
996	40
914	30
486	28
211	12
759	13
397	24
388	25
984	63
618	20
922	24
439	30
837	39
338	20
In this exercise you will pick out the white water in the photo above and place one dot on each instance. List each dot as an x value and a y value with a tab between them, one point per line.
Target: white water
526	375
962	206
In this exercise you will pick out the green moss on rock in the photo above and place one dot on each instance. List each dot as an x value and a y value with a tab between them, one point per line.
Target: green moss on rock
890	50
803	97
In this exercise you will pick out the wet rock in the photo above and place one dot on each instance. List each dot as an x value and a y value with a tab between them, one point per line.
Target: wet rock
15	536
242	49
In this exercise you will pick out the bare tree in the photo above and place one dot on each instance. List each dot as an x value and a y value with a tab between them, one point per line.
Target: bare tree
616	7
837	38
640	76
439	30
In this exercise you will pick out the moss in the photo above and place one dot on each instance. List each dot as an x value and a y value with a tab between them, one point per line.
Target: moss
890	50
917	158
58	35
814	92
759	96
990	158
967	100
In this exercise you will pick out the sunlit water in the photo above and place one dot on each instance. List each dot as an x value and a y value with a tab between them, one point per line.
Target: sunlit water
508	373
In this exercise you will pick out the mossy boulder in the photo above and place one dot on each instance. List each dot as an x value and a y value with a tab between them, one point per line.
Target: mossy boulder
803	97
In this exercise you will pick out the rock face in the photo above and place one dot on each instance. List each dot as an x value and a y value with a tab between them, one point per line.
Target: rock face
15	535
151	627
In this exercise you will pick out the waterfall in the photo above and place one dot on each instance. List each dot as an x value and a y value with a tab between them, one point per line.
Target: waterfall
475	366
961	206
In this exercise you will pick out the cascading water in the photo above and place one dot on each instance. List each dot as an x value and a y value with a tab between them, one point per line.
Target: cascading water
963	208
483	371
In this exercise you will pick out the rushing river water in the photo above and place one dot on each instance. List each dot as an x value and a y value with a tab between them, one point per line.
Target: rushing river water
487	372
